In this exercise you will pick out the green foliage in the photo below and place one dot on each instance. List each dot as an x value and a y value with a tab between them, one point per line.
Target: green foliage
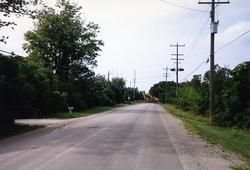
101	92
118	86
63	42
165	92
28	89
7	72
236	97
189	98
232	95
17	7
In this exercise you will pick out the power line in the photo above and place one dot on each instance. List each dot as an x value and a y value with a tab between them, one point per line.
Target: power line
230	42
195	41
11	53
204	62
219	49
179	24
183	7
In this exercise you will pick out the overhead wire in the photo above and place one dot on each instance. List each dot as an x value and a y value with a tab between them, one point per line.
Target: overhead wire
183	7
11	53
184	26
180	23
204	62
195	41
219	49
230	42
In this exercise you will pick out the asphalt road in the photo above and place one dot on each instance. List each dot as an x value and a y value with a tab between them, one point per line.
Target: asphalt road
128	138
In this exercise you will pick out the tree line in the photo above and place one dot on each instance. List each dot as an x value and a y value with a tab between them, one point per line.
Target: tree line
58	71
232	100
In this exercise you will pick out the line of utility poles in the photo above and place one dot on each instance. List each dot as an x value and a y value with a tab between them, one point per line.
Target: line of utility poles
214	28
177	59
166	75
134	85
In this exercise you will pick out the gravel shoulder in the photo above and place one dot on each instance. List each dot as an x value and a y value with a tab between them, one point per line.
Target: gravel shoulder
194	152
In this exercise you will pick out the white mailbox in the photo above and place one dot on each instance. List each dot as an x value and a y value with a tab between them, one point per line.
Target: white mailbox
70	109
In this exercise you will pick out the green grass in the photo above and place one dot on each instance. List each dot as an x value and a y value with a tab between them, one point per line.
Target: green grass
16	129
236	140
87	112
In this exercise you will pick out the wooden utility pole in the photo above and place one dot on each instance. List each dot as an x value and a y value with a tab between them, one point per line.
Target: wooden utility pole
134	85
177	59
108	75
214	28
166	75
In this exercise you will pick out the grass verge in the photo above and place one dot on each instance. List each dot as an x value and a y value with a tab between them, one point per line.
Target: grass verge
16	129
236	140
87	112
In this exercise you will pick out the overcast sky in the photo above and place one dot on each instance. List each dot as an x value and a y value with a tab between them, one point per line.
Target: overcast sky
138	33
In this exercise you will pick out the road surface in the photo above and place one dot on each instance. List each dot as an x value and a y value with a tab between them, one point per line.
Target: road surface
137	137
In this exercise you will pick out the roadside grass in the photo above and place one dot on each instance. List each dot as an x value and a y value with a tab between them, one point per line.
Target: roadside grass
87	112
16	129
236	140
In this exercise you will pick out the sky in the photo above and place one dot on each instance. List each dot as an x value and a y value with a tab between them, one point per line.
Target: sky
138	33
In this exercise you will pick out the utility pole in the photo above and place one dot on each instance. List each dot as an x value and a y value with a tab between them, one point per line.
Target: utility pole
134	85
177	59
108	75
130	92
166	75
214	28
124	90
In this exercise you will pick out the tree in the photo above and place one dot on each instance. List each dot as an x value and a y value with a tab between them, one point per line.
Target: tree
189	98
118	86
232	95
18	7
196	81
164	92
99	92
240	89
7	72
236	97
28	90
63	42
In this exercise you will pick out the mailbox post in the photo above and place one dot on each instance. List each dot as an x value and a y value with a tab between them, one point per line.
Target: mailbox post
70	109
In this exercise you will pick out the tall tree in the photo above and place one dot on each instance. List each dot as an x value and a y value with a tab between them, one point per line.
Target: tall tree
17	7
118	86
63	42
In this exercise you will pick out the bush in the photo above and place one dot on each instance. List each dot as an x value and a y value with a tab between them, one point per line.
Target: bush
28	90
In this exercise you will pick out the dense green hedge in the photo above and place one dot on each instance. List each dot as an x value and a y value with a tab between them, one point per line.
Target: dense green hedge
232	98
28	90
